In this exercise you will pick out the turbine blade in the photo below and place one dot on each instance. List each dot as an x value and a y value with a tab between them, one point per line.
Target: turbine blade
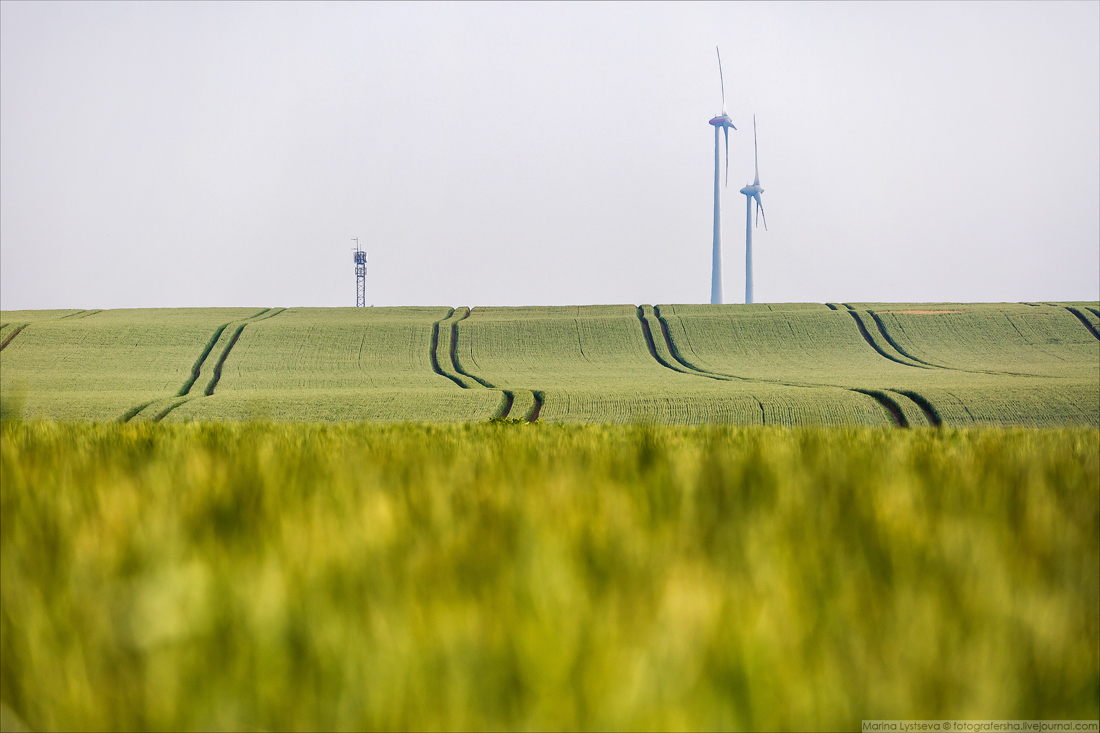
721	79
726	131
760	212
755	153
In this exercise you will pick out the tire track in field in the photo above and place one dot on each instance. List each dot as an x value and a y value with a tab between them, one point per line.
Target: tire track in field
80	314
221	362
197	367
196	370
533	414
933	365
872	343
889	340
164	413
647	333
895	411
505	405
507	396
925	406
263	315
12	335
133	411
454	352
675	352
434	353
892	407
1084	319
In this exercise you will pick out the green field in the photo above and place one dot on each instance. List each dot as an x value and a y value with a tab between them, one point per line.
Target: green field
784	364
254	576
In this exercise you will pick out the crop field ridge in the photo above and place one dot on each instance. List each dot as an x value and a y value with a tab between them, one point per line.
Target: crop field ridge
873	344
1084	319
891	406
454	352
12	335
265	314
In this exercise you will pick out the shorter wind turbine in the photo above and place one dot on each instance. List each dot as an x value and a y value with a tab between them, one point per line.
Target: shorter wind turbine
752	192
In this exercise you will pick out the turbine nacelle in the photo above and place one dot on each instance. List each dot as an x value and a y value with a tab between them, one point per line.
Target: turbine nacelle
723	120
753	189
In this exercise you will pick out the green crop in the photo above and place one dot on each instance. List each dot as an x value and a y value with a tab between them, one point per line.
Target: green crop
781	364
264	576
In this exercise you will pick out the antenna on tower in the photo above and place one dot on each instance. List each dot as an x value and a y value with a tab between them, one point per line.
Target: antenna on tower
360	275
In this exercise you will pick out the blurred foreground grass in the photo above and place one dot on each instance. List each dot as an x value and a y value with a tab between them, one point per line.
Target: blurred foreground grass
244	576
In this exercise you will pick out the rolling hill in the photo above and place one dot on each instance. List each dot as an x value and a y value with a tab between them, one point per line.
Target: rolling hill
1029	364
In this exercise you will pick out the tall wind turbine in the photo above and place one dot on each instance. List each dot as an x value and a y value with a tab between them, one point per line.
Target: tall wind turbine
752	193
724	123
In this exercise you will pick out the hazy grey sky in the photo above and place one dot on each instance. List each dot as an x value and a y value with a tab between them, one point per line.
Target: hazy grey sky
200	154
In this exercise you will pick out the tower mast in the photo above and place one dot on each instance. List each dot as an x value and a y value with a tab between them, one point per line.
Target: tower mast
360	275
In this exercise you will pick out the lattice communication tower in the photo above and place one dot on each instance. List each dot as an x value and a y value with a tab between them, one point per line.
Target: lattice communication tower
360	275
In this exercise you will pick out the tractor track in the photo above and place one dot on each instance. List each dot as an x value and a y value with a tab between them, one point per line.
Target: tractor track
12	335
889	340
884	400
871	342
925	406
454	353
505	405
221	360
1084	319
434	352
133	411
197	367
164	413
533	414
684	362
652	346
892	407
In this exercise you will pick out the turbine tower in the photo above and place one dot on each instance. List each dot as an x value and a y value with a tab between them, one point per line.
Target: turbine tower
724	123
752	192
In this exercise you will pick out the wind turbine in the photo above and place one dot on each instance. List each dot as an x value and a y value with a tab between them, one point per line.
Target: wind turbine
752	192
721	121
